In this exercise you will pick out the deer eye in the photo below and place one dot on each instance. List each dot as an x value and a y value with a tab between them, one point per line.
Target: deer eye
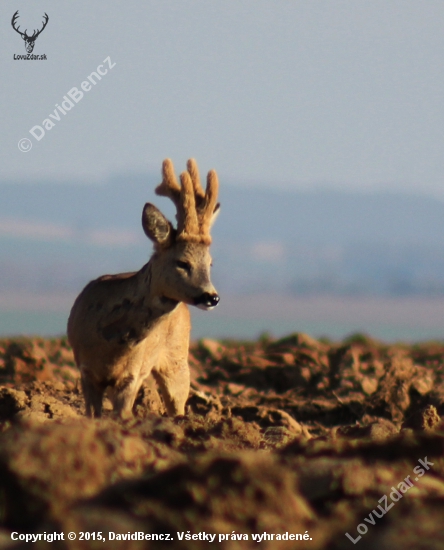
183	265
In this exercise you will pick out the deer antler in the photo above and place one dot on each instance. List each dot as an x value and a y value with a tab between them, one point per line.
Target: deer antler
24	34
206	201
45	22
13	22
195	208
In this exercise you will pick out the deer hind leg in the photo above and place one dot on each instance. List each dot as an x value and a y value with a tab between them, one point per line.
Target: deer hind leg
174	385
93	394
124	394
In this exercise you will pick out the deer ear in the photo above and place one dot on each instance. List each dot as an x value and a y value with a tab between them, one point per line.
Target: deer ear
216	212
156	226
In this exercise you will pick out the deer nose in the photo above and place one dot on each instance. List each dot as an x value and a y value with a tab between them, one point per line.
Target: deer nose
207	300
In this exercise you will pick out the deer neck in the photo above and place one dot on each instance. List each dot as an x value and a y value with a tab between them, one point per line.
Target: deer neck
146	287
136	310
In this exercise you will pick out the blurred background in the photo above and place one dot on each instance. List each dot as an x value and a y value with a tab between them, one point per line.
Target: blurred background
324	121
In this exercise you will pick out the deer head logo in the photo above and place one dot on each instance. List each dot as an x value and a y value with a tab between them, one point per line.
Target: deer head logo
29	40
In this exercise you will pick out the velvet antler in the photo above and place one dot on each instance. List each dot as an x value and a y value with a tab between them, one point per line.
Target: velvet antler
195	208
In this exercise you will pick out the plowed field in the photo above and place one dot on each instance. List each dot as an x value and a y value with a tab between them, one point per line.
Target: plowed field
282	439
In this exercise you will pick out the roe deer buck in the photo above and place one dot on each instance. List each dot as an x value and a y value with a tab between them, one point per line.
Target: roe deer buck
124	327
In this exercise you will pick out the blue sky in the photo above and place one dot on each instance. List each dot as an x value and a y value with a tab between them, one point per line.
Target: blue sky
343	93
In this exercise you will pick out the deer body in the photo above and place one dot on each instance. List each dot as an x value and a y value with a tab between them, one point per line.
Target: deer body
125	327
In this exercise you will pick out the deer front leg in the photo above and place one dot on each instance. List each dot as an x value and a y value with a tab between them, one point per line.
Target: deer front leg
174	385
124	394
93	394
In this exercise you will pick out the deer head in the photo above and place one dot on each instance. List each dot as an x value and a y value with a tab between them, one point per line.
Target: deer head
182	258
29	40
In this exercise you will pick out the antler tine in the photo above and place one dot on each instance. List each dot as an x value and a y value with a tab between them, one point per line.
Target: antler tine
169	186
211	204
193	170
188	204
13	22
45	22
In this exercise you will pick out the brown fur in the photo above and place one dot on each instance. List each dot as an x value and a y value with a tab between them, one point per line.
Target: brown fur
125	327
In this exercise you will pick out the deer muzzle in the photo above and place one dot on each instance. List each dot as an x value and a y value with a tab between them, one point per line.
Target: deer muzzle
207	301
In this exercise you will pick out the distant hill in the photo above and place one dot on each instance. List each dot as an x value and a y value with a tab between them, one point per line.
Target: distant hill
57	236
